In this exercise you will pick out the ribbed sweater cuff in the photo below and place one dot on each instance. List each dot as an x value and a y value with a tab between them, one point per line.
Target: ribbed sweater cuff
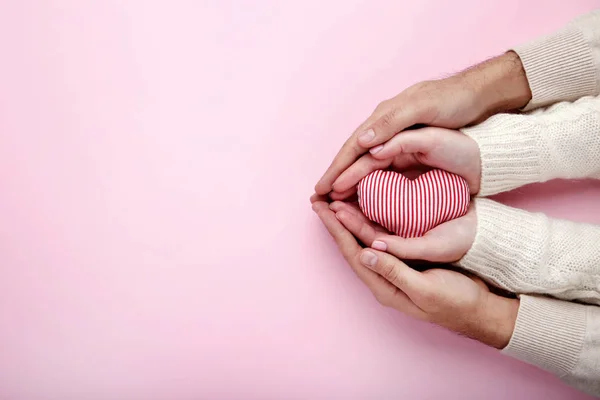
548	333
559	67
509	150
507	246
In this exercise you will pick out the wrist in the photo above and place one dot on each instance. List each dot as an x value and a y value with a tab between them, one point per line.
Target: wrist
500	83
496	323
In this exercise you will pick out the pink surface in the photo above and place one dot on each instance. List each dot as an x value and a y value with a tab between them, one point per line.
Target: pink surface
156	160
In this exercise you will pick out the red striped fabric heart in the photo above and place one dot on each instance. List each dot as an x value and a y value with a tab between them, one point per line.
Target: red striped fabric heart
411	207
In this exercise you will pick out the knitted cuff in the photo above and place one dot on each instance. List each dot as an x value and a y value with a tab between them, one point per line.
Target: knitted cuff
507	248
548	333
509	150
559	67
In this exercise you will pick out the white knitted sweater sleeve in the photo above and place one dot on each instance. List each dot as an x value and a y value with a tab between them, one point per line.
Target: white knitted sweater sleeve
560	337
564	65
561	141
530	253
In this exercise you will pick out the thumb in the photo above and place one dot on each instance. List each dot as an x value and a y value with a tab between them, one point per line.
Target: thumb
428	248
391	122
408	280
407	142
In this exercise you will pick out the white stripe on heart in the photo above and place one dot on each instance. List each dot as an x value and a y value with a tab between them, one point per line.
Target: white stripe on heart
410	208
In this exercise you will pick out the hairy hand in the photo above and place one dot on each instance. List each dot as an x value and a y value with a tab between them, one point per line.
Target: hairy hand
450	299
419	149
494	86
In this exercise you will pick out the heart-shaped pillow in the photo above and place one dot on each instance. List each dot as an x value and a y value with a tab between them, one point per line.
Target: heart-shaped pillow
411	207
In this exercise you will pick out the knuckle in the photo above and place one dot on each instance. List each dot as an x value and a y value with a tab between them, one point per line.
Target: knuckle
352	147
381	106
384	106
396	247
424	100
420	87
365	232
356	150
388	119
389	272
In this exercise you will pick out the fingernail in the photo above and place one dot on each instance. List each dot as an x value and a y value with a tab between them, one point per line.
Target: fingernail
368	258
376	149
379	245
367	136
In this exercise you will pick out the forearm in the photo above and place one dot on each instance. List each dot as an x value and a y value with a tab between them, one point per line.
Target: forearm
562	141
495	323
500	83
561	66
530	253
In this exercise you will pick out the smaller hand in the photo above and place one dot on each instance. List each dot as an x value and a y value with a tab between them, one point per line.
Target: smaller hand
424	148
450	299
446	243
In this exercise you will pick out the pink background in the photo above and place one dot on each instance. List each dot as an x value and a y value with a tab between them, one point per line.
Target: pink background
156	159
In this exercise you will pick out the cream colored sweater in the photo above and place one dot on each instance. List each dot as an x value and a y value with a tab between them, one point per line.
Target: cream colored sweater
531	254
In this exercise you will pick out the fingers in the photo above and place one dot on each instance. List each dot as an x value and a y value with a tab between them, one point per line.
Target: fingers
427	248
413	141
409	281
361	168
346	156
350	249
396	119
337	206
355	221
344	239
445	243
399	151
357	226
343	195
315	197
380	127
384	291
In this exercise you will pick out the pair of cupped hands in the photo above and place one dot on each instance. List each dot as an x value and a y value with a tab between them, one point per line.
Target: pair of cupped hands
448	297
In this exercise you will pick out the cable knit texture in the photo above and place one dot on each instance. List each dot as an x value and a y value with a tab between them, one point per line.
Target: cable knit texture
531	253
527	252
561	141
564	65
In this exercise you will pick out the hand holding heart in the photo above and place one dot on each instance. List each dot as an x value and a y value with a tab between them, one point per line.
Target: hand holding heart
453	300
430	147
446	243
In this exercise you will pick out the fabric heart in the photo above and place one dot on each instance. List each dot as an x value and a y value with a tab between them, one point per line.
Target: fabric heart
411	207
